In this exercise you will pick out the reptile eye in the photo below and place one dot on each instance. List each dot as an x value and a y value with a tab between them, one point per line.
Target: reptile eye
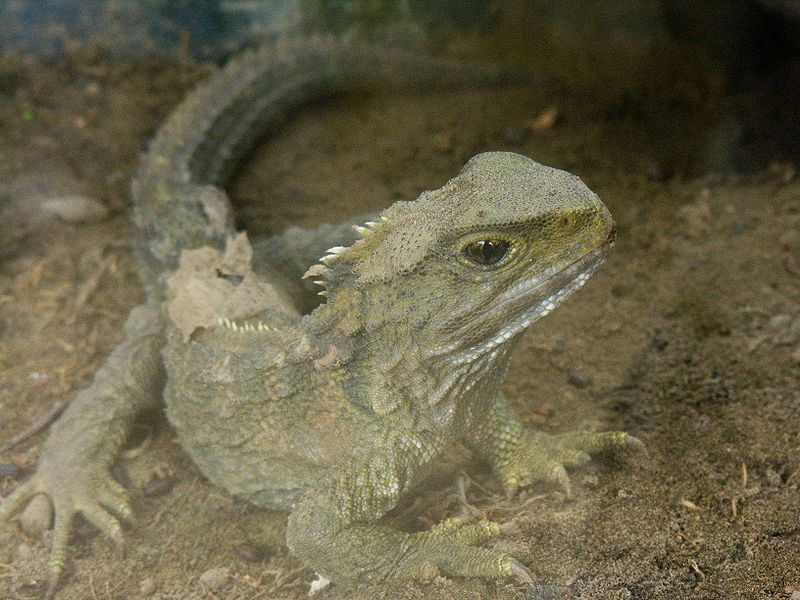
487	252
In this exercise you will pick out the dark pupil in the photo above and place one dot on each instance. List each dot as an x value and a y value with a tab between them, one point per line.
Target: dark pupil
487	252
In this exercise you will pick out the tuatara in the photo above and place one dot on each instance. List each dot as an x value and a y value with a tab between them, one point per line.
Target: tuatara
335	414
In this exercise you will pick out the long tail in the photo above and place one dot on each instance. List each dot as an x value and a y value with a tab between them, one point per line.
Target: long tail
177	204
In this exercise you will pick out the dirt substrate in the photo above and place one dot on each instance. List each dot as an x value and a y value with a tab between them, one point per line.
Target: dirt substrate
689	338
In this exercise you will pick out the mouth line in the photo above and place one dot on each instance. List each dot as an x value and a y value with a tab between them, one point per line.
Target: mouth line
568	274
564	283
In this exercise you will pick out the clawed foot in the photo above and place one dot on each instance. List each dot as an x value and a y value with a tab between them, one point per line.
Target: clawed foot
100	499
544	457
449	548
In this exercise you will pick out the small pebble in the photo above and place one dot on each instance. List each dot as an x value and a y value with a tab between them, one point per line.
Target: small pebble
9	470
790	239
93	88
544	122
591	480
773	477
783	172
578	380
792	592
516	136
75	209
249	552
442	141
611	327
319	584
780	322
539	591
147	587
659	343
790	265
37	516
697	216
215	578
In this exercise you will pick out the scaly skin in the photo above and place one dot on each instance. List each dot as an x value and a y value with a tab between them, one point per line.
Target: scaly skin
335	414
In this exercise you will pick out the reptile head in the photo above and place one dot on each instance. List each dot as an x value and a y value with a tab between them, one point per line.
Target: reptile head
468	266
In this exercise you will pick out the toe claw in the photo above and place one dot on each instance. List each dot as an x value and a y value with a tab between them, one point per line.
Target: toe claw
560	475
521	573
635	444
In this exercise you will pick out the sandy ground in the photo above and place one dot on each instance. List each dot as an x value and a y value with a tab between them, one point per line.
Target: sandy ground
689	338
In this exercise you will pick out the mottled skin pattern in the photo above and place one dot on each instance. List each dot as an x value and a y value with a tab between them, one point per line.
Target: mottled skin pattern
334	415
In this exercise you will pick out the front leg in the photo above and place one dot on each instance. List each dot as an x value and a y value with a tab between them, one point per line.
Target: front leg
336	528
73	469
520	456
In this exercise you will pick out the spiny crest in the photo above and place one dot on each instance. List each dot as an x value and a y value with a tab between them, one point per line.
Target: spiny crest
364	232
332	255
242	327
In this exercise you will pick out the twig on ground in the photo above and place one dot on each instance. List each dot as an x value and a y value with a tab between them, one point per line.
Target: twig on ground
48	418
89	287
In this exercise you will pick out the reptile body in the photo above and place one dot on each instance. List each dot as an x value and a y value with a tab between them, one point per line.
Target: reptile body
337	413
